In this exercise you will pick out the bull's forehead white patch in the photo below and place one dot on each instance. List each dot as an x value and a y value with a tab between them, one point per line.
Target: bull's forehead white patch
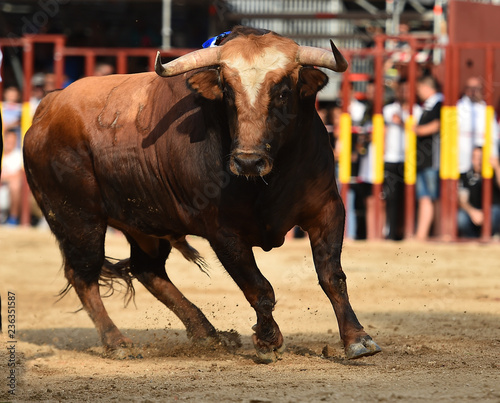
252	73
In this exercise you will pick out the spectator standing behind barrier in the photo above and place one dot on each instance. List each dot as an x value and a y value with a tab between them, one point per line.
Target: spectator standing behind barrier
12	175
37	91
11	111
427	131
363	199
471	111
335	114
395	116
356	110
470	197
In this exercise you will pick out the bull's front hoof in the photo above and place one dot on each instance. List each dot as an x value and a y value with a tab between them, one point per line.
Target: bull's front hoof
266	353
364	348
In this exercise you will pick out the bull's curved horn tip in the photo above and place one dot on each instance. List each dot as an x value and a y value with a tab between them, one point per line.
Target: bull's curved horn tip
159	69
341	61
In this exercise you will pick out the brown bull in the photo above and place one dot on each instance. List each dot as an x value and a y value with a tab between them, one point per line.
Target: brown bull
223	143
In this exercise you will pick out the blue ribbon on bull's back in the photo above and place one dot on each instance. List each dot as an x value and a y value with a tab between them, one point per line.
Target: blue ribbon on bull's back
216	40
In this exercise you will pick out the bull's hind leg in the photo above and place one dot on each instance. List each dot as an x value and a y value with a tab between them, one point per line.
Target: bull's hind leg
84	257
326	242
88	292
66	190
150	271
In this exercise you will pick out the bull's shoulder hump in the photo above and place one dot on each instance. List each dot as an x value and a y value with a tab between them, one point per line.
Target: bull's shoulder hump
99	85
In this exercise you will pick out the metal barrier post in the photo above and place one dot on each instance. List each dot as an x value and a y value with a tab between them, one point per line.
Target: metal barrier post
378	137
121	62
444	165
410	148
448	170
345	145
453	170
487	171
59	61
89	63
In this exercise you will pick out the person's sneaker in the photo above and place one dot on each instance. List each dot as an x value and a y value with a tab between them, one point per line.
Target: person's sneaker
12	221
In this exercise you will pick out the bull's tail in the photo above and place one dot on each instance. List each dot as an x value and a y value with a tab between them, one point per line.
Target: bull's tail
191	254
118	273
118	276
114	276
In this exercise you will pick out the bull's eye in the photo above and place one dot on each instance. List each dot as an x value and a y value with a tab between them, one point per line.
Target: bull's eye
284	95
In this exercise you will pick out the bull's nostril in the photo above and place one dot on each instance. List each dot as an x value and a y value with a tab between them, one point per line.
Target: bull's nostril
237	163
249	164
260	164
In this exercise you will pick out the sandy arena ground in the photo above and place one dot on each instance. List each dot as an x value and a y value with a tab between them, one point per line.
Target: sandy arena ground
433	308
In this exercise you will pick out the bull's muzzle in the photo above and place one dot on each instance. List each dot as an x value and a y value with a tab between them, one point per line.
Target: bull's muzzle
250	164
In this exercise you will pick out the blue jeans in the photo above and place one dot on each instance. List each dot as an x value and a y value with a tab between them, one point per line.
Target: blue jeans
468	229
427	183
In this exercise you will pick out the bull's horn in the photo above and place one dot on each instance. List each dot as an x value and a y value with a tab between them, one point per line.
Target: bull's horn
322	58
194	60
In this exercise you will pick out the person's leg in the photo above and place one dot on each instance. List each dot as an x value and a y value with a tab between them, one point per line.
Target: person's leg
394	196
425	207
466	227
359	209
351	215
15	184
495	219
399	224
428	194
425	217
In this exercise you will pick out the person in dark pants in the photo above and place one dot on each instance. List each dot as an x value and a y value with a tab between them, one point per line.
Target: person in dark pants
427	131
395	115
470	197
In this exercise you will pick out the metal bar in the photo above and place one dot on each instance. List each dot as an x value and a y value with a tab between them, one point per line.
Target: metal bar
378	137
410	151
89	63
121	62
59	61
152	61
28	59
73	51
166	30
453	169
487	171
367	6
352	15
444	200
345	144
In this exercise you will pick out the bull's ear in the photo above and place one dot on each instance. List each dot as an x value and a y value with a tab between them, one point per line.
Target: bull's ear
311	80
207	84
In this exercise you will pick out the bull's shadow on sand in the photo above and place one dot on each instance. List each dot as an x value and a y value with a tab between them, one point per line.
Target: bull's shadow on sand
148	343
400	334
162	343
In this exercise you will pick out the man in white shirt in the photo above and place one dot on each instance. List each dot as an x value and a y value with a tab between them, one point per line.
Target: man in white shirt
395	116
471	111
